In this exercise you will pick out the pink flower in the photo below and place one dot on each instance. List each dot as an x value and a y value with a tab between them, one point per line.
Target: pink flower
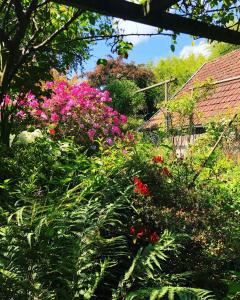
91	134
46	104
123	119
96	125
49	84
34	104
116	120
30	96
105	131
63	111
81	107
6	100
125	152
38	112
109	141
116	130
21	114
130	136
43	116
54	117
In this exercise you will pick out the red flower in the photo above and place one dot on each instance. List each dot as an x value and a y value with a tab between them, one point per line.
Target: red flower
166	172
140	233
154	237
52	131
132	230
141	188
158	159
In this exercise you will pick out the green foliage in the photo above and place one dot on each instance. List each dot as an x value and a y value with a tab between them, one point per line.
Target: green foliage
55	200
59	207
176	67
115	69
73	226
171	293
182	108
219	49
124	97
39	44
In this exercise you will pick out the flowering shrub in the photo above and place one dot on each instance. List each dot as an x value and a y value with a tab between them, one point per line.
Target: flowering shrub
150	236
158	159
140	187
70	109
79	110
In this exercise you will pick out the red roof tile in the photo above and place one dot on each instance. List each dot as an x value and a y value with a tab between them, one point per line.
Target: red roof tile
225	98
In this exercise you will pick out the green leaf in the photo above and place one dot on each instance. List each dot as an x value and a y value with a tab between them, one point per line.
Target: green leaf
172	48
102	61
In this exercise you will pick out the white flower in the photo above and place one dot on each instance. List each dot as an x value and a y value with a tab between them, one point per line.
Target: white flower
26	137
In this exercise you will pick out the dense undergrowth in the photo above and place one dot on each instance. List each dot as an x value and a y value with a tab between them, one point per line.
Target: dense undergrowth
101	220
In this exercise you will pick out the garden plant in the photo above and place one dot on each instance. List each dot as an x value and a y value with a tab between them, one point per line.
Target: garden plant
91	210
90	206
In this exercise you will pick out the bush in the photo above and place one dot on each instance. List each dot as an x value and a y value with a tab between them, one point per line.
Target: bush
68	109
124	97
73	226
120	222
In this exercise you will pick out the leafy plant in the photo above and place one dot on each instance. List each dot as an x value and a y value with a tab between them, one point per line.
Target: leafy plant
124	97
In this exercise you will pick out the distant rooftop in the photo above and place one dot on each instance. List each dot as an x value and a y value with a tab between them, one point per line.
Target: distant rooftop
225	98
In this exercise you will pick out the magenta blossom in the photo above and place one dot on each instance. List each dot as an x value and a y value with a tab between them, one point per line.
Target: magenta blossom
116	130
73	109
109	141
54	117
91	133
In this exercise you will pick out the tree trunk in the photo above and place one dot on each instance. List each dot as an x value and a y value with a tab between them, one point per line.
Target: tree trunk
5	134
4	124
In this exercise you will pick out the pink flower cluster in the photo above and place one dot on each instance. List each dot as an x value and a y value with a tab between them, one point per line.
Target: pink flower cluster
74	109
14	109
81	111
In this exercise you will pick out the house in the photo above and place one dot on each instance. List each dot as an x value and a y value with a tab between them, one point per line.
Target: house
222	102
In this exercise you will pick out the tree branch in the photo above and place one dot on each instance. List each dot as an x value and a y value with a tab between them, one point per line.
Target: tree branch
134	12
32	6
18	10
58	31
4	2
43	3
107	37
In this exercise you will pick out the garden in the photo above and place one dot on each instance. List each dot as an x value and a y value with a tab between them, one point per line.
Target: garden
91	205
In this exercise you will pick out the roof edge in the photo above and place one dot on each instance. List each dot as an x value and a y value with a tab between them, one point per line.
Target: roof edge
175	94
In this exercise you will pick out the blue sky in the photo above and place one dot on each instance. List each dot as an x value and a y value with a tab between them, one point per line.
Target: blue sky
148	49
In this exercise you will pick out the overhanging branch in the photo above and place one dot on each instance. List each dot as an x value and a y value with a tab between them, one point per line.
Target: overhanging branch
134	12
58	31
162	5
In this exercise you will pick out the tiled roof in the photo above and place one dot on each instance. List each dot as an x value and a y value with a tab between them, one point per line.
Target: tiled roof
223	100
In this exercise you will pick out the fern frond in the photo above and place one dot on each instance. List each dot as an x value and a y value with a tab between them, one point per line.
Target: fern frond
154	254
182	293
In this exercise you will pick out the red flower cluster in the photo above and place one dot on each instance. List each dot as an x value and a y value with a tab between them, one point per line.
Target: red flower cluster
154	237
140	187
166	172
134	232
52	131
140	233
158	159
